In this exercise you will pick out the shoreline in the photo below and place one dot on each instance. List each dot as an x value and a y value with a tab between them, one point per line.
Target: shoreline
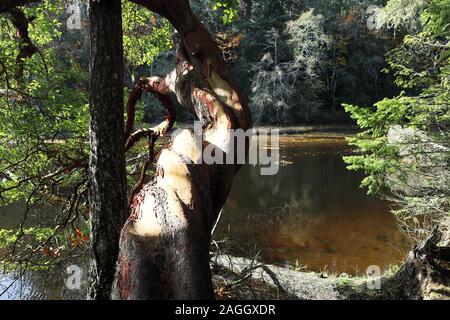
311	129
320	131
270	282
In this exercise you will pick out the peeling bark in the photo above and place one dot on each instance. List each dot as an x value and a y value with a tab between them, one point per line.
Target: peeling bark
164	245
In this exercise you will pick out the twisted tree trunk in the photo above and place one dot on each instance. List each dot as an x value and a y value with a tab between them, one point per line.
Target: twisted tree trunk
164	245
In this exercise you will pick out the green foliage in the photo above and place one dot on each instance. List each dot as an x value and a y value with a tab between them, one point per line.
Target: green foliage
379	158
145	34
44	115
217	15
436	19
48	104
405	144
402	14
327	56
337	59
44	120
40	248
10	237
229	9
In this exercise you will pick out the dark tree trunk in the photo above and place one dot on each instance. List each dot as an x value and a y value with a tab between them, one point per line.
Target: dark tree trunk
107	198
425	274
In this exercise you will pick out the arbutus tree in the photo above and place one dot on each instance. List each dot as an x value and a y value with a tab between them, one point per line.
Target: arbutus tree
164	245
163	248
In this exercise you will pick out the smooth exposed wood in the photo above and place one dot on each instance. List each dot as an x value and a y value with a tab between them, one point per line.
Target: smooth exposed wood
164	246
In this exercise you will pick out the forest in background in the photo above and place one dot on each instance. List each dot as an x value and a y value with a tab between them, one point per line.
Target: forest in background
384	64
297	62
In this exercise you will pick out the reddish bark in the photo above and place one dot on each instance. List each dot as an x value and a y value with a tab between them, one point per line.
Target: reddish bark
164	246
26	48
6	5
134	97
201	50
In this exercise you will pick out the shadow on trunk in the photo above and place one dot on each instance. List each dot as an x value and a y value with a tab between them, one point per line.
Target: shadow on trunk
164	245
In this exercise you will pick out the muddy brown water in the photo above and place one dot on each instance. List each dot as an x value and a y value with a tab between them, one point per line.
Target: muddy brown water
311	214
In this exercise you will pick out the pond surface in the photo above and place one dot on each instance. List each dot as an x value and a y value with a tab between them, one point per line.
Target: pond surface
312	213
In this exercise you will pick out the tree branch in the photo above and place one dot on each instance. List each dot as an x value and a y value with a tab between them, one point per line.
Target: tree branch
7	5
161	91
26	48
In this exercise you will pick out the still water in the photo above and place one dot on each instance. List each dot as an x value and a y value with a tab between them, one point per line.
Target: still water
312	213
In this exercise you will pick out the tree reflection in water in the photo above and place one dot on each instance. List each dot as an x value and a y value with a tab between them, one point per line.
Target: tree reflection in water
313	212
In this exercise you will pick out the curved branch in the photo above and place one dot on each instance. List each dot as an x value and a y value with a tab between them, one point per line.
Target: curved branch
136	136
7	5
165	243
26	48
134	97
161	91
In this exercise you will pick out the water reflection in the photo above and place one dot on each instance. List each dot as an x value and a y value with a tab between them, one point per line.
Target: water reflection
38	284
313	212
41	285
